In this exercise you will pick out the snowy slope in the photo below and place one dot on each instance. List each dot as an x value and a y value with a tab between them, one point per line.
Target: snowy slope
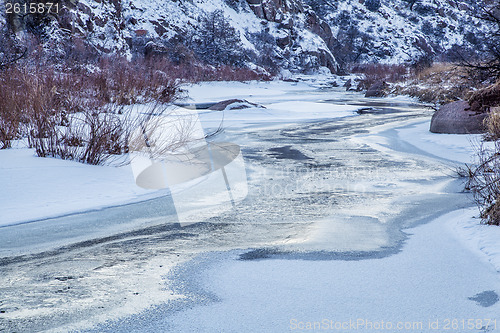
398	30
120	26
293	34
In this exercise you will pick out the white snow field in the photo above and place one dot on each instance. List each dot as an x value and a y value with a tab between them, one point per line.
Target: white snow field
35	188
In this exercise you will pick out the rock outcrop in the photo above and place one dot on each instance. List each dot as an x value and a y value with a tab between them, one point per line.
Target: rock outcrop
275	10
234	104
457	118
283	12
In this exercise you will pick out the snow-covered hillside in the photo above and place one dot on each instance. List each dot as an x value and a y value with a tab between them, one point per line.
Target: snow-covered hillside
287	33
278	34
398	31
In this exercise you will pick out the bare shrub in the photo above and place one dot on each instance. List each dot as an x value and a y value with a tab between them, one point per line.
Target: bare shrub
43	105
441	83
379	72
95	135
82	113
165	133
390	73
484	182
119	81
79	115
11	106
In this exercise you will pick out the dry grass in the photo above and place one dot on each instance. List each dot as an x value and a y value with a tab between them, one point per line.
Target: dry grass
440	84
492	124
439	73
484	99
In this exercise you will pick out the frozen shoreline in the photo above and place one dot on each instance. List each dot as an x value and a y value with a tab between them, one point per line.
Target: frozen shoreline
42	188
464	224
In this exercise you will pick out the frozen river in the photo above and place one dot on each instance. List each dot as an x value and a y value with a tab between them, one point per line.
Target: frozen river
325	233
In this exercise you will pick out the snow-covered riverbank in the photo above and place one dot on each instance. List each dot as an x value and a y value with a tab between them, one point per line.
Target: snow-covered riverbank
39	188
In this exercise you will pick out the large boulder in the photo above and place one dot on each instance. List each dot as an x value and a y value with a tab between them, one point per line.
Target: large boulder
378	89
457	118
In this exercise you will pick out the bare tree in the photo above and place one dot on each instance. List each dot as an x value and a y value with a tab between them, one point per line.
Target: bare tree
484	182
11	50
487	41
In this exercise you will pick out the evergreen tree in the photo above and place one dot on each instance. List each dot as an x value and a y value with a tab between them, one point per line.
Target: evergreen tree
217	42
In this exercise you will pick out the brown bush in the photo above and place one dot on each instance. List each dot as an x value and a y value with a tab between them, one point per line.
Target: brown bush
387	72
43	107
46	102
76	113
484	99
379	72
12	100
484	182
121	82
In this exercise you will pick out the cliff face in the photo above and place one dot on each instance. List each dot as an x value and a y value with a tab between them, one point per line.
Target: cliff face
275	10
293	14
